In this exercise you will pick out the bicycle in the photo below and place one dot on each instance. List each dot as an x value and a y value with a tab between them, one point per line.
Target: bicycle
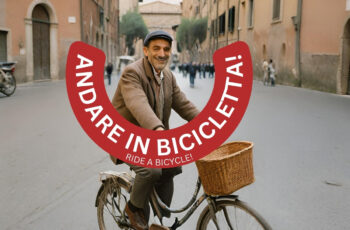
222	212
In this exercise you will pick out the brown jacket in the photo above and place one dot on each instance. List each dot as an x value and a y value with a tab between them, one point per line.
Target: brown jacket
136	97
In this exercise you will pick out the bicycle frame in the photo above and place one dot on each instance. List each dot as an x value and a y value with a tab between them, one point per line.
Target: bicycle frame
193	204
125	180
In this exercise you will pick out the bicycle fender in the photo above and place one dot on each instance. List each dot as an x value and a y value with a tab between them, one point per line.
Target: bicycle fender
235	197
98	193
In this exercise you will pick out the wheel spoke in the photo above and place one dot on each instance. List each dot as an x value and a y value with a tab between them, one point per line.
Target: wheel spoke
233	215
110	210
228	221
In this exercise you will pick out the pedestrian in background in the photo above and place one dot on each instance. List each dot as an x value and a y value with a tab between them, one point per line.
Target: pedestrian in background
212	70
192	70
207	68
109	70
265	67
185	70
203	69
196	68
180	68
271	71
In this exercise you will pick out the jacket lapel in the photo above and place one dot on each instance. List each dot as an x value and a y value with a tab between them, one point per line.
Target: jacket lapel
154	83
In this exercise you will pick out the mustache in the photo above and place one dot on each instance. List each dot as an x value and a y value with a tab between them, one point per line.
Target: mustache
162	58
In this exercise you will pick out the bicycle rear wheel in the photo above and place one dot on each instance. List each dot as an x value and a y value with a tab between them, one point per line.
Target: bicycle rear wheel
110	203
232	214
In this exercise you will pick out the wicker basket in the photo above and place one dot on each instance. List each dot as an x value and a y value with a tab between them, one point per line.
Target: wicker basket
227	169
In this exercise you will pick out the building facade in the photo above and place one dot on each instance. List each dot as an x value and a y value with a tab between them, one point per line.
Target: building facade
307	40
38	34
160	15
128	5
100	26
124	7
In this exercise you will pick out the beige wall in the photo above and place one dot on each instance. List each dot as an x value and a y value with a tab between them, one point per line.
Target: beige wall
324	53
2	16
271	39
126	5
324	40
160	16
62	34
323	26
67	32
17	21
188	8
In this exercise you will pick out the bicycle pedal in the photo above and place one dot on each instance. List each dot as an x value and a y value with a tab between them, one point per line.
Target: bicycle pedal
158	227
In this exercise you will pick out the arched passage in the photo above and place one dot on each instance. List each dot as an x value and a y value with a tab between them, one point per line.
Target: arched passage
344	65
41	19
41	43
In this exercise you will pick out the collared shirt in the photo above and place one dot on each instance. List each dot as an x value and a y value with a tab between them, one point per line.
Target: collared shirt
160	76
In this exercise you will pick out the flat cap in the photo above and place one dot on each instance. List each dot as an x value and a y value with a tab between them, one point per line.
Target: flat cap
157	34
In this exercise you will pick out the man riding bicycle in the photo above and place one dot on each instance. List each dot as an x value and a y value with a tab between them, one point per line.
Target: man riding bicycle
146	93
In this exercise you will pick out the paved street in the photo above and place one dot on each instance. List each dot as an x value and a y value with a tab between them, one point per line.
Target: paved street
49	167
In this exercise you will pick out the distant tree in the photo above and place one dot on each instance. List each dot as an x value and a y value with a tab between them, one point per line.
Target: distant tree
191	32
184	35
199	29
133	27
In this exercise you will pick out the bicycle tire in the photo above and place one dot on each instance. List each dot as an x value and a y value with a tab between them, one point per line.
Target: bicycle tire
241	216
9	91
110	203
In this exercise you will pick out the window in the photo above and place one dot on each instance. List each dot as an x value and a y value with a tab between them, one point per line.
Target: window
222	24
101	17
231	19
3	45
250	15
276	10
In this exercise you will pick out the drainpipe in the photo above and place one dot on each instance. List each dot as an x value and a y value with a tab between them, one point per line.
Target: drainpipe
297	24
210	31
217	24
238	27
226	24
81	22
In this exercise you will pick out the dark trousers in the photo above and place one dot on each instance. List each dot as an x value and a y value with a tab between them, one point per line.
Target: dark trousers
109	78
192	77
147	178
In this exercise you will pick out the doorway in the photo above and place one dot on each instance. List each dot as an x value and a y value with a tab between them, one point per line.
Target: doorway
41	43
3	46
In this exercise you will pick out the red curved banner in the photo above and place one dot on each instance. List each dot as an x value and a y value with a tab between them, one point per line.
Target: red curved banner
159	149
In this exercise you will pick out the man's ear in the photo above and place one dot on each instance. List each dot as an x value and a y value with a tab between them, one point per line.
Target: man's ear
145	51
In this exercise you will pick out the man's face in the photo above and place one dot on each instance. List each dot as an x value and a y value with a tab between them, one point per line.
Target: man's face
158	53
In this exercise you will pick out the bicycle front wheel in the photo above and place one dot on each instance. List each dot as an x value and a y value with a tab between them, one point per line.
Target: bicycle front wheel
110	203
231	214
